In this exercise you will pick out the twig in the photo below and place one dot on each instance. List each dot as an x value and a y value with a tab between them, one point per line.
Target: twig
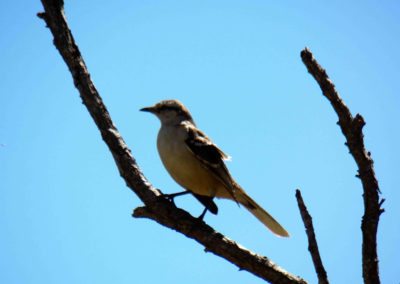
156	208
352	130
312	241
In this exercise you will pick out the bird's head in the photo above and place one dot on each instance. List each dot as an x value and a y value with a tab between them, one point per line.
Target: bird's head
170	112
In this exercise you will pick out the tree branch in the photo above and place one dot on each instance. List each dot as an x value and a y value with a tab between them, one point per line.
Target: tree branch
312	241
156	208
352	130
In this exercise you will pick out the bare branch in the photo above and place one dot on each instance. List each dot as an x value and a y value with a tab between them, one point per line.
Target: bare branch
312	241
158	209
352	130
217	243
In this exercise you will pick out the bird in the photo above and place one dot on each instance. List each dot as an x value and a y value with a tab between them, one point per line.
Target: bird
198	165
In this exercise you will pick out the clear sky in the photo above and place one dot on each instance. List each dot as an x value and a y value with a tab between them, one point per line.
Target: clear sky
65	213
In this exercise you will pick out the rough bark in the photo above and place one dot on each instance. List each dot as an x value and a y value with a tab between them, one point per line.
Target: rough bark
352	130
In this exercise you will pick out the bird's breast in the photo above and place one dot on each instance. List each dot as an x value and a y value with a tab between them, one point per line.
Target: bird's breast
182	164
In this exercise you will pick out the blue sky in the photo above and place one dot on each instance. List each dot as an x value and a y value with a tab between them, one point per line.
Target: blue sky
65	213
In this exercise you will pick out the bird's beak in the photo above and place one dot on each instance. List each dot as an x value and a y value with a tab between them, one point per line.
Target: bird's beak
149	109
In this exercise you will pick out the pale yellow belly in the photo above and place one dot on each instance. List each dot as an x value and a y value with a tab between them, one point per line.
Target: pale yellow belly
187	171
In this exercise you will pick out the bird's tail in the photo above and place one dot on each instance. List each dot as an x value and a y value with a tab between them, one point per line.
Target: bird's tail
260	213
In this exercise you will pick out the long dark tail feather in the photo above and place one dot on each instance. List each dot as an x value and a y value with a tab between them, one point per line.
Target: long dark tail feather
262	215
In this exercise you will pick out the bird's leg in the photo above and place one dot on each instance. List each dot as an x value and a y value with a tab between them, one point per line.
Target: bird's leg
201	217
208	202
171	196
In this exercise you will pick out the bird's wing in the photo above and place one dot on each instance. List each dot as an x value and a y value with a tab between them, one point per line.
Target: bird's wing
210	156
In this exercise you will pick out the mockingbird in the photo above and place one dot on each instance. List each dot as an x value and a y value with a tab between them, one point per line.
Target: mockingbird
197	164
